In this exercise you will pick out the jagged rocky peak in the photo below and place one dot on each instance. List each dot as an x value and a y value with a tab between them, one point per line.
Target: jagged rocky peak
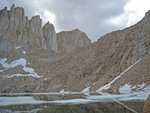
16	17
69	40
49	35
16	26
36	25
12	19
3	20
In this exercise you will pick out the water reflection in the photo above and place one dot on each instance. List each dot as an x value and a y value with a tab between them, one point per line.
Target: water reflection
27	104
105	107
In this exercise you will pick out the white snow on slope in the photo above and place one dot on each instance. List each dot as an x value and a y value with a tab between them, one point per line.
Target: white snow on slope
140	95
20	62
86	91
1	71
107	86
3	60
125	96
24	52
31	71
63	92
17	47
13	64
127	88
20	75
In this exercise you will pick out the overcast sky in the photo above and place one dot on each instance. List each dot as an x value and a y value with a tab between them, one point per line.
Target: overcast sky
94	17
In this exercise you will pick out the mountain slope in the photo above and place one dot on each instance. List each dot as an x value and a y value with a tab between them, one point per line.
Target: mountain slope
116	59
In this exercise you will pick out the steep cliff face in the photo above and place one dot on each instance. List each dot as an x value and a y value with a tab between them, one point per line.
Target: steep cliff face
16	26
18	30
69	40
49	35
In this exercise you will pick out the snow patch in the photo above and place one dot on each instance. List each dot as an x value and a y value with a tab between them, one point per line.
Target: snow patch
29	63
62	92
45	79
13	64
19	62
1	71
140	95
134	96
107	86
17	47
139	87
21	75
127	88
29	70
24	52
86	91
3	60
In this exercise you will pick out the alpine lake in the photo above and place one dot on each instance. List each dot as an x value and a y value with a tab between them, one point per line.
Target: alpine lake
65	103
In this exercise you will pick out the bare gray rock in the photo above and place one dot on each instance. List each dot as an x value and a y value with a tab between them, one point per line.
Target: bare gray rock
49	35
4	20
36	25
16	29
69	40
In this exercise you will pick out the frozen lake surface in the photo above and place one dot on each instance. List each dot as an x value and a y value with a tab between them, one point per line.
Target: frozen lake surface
77	102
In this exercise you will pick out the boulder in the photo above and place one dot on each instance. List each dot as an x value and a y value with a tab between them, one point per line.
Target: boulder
147	105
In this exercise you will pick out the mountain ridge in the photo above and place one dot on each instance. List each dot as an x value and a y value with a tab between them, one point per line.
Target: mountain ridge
24	31
92	65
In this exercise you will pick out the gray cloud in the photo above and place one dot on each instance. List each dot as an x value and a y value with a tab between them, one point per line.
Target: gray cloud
88	15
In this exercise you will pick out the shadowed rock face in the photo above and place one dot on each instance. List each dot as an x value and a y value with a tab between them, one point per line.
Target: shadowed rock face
74	63
147	106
